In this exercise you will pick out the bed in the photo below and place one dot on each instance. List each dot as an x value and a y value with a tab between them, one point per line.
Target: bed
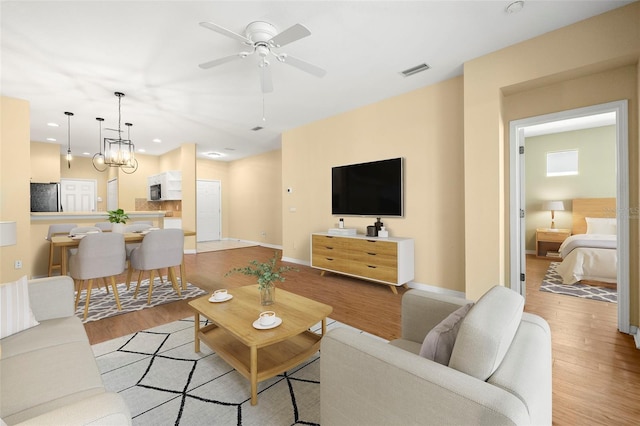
590	253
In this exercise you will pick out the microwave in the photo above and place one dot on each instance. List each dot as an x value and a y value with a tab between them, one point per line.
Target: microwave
155	192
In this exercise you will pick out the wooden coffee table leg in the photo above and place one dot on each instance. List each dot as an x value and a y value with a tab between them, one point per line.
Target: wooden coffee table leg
324	326
254	375
196	339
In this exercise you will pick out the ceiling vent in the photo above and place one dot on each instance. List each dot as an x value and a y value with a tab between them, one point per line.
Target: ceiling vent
255	129
415	70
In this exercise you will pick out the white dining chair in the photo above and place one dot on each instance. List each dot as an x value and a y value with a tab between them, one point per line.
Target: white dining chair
163	248
57	229
104	226
100	255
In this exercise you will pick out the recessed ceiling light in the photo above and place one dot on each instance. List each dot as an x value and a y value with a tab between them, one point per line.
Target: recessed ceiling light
213	154
53	125
514	7
142	150
51	139
86	153
156	140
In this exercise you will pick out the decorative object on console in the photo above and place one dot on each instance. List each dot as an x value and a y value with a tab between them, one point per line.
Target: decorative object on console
117	152
553	206
268	273
383	233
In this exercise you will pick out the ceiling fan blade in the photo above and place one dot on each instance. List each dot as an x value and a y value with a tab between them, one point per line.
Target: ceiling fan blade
302	65
220	61
266	83
225	32
290	35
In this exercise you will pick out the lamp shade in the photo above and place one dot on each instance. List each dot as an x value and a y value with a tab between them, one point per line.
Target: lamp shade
8	233
553	205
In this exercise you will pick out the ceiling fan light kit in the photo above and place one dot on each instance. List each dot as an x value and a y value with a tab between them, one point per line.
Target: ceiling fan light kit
263	37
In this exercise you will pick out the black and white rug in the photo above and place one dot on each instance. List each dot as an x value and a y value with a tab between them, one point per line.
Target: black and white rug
552	283
164	382
103	304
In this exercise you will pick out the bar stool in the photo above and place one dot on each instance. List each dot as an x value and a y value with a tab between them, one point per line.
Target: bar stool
57	229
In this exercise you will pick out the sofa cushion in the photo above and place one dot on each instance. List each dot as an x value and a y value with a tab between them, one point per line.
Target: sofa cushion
438	343
487	332
15	309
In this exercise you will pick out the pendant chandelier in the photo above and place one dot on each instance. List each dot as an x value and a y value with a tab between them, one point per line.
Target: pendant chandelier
69	156
117	152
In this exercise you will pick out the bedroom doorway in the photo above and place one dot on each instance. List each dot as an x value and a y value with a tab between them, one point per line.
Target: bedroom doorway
518	206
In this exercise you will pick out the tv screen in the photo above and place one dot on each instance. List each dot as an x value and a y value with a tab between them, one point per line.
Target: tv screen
368	189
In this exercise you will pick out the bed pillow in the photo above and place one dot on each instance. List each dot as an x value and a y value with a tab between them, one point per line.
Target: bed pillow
438	343
15	309
601	225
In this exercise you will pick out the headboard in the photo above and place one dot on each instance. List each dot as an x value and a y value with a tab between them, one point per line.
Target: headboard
590	207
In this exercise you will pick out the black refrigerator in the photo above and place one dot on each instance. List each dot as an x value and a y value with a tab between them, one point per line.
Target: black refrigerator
45	197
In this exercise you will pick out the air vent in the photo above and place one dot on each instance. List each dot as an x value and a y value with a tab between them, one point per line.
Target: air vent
415	70
255	129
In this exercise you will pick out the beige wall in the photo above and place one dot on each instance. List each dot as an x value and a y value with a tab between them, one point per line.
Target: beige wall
218	170
134	185
256	193
597	175
14	184
606	42
44	168
424	127
81	168
187	165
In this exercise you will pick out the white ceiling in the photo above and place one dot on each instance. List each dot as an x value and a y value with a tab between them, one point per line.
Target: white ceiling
73	55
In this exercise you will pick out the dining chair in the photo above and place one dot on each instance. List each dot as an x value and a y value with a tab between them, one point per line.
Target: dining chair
163	248
57	229
100	255
84	230
104	226
135	227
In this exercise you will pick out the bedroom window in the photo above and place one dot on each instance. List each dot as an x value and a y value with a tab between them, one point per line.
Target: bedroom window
562	163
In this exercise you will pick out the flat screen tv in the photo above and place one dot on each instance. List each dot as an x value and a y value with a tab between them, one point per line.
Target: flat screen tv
368	189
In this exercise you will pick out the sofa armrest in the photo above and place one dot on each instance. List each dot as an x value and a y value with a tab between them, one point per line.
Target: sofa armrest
104	409
52	297
423	310
366	381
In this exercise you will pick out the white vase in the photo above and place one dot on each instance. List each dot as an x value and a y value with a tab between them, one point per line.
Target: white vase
118	227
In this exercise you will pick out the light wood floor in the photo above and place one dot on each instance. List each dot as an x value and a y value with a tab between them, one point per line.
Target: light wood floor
596	370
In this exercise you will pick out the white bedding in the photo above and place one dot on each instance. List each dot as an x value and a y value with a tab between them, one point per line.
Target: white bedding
589	263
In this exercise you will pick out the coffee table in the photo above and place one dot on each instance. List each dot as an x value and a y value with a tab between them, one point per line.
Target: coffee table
260	354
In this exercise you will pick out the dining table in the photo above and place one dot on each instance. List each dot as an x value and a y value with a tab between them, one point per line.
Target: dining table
66	242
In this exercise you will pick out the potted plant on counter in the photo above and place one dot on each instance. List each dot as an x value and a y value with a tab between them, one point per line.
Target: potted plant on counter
268	273
119	219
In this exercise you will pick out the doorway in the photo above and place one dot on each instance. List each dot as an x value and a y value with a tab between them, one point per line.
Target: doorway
208	215
517	211
78	195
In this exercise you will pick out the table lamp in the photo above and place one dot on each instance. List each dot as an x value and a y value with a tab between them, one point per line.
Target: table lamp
553	206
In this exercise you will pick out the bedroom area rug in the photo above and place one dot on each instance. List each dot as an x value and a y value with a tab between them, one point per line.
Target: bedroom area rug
103	305
164	382
552	283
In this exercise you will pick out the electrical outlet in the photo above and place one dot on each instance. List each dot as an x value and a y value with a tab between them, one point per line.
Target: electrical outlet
18	264
263	233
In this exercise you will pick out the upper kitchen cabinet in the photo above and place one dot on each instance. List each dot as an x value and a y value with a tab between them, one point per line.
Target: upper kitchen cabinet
165	186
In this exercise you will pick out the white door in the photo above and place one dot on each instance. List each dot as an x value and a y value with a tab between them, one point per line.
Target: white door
78	195
208	215
112	194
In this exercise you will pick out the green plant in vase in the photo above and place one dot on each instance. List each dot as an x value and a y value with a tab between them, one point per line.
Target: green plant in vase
118	218
267	273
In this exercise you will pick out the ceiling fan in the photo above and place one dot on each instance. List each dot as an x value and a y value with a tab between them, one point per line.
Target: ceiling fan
263	37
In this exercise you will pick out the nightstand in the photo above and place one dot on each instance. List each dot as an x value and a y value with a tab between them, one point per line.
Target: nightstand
548	242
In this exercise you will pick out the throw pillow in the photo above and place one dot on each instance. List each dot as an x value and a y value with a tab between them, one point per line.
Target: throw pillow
601	225
15	309
438	343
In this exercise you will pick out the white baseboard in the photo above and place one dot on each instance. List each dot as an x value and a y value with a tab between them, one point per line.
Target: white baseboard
439	290
635	332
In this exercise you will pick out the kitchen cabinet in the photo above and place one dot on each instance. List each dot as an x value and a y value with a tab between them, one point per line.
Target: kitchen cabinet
170	185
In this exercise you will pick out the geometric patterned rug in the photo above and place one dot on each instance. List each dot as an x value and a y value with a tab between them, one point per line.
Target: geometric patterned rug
552	283
164	382
103	305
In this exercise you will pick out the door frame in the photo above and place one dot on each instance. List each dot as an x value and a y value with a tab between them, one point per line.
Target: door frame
516	203
219	182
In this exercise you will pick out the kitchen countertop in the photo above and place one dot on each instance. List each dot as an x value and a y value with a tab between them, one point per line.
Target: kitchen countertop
93	215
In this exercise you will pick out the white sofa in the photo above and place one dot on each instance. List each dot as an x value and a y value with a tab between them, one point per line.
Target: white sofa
48	374
499	371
